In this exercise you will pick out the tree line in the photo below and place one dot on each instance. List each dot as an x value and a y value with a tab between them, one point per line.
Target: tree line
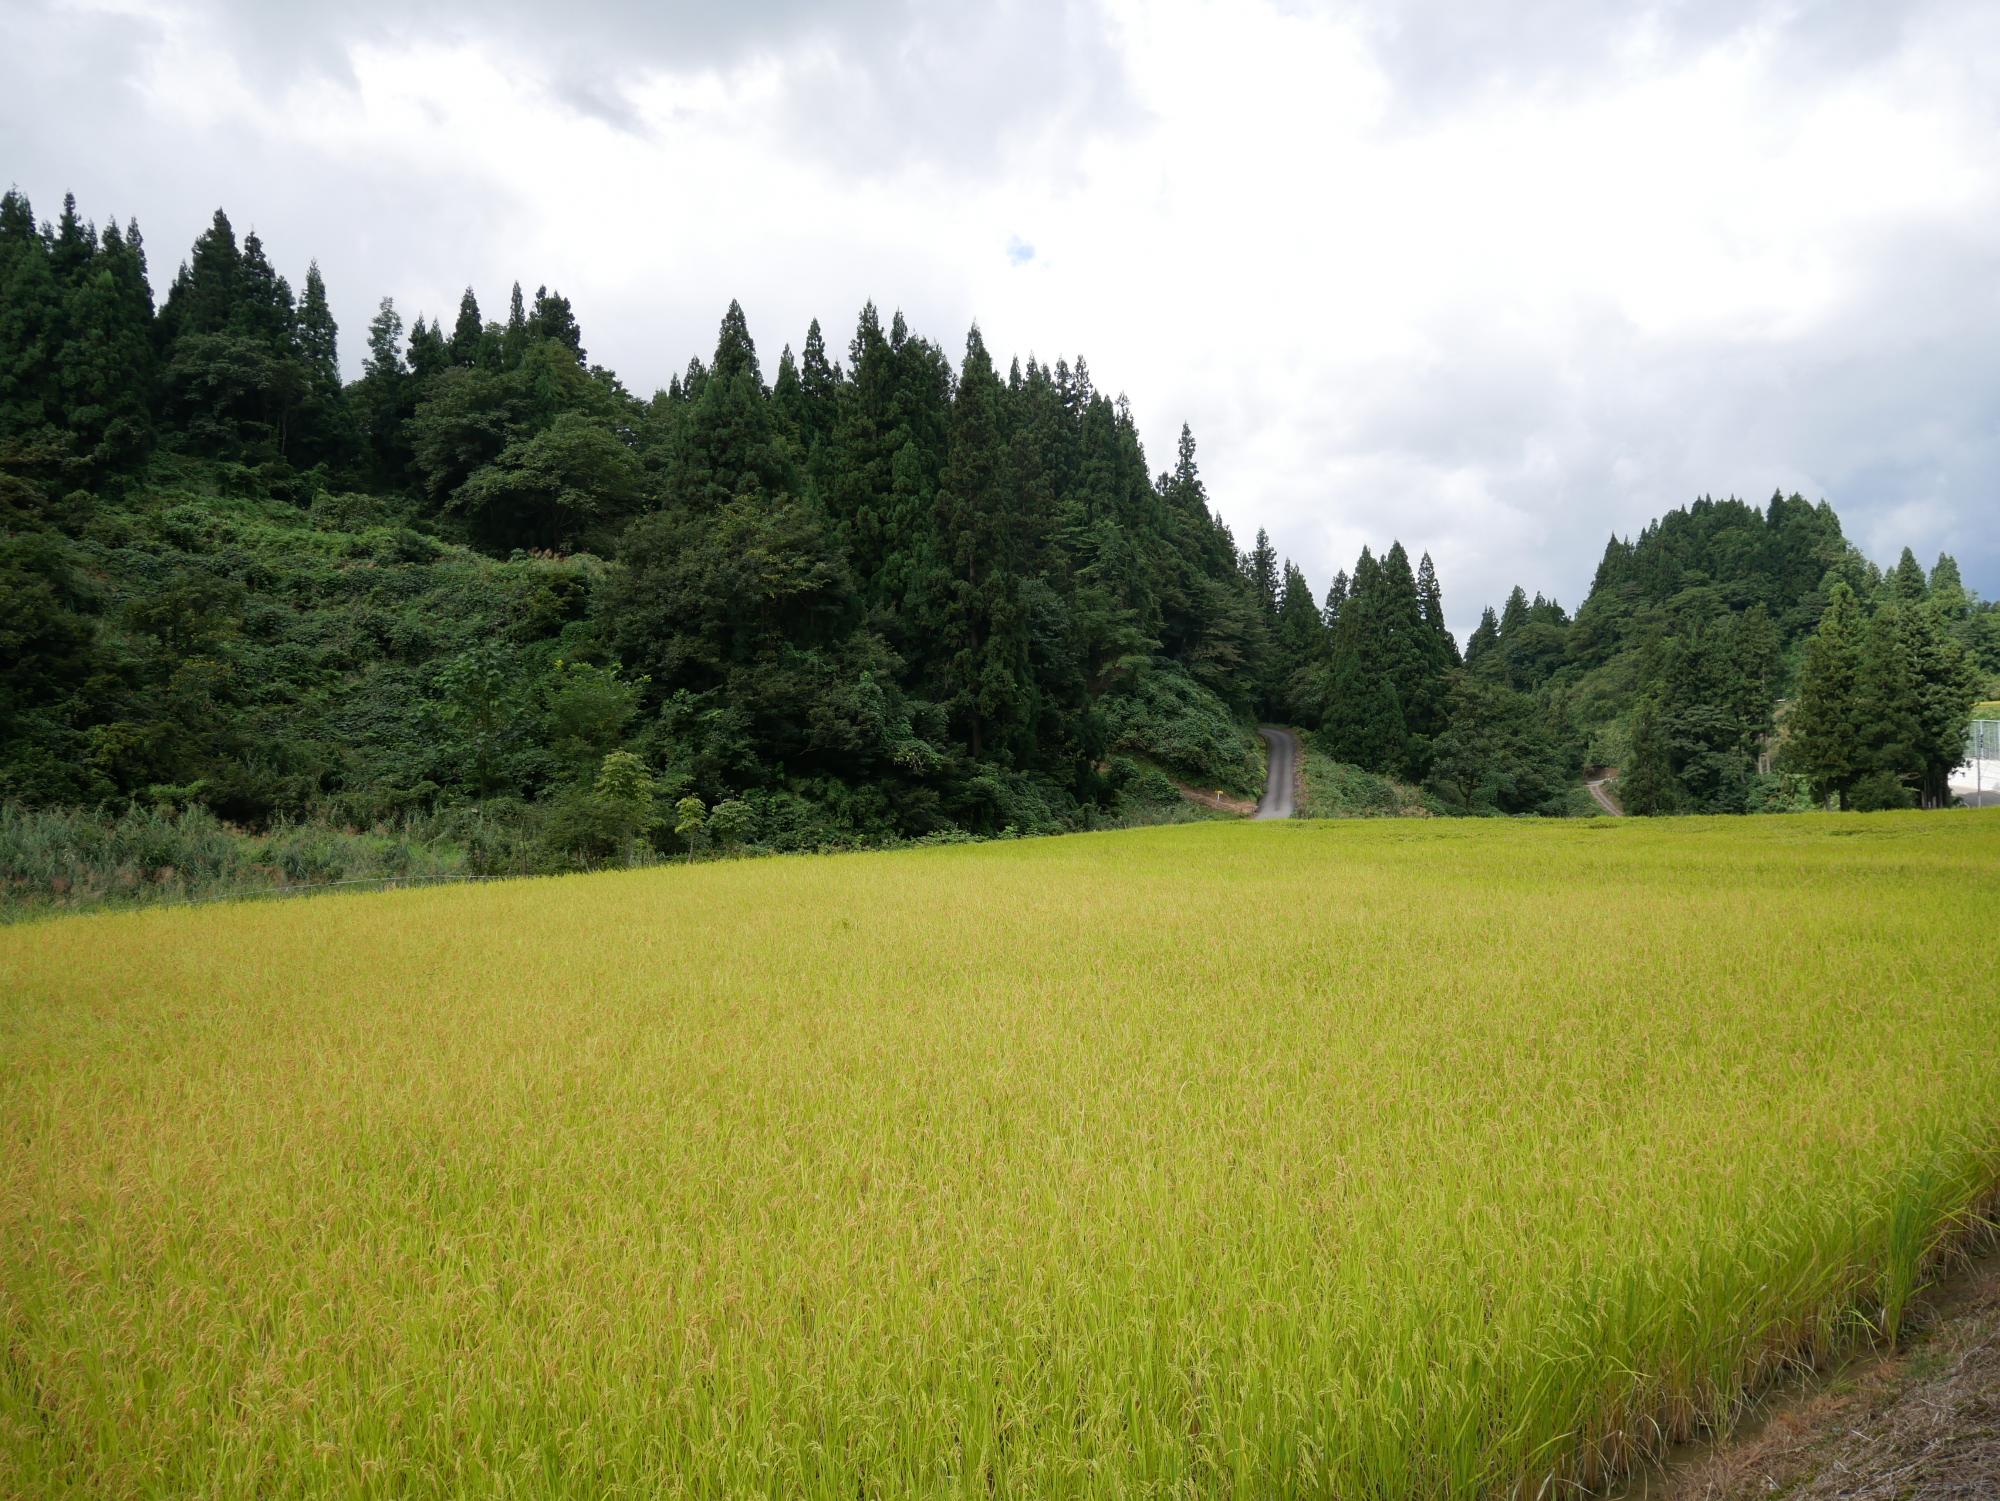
887	594
1693	664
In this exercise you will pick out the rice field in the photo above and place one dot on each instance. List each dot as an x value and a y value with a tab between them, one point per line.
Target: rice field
1388	1159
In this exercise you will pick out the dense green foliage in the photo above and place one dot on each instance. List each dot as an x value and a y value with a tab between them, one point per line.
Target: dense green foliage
1677	669
1339	789
869	601
1732	659
866	600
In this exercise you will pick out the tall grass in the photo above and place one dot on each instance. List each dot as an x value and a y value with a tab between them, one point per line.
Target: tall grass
1335	789
61	859
1391	1159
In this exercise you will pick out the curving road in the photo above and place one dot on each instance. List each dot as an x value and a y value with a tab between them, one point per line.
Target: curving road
1604	798
1280	773
1281	778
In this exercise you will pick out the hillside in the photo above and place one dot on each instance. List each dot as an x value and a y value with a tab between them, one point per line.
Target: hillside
487	605
1697	640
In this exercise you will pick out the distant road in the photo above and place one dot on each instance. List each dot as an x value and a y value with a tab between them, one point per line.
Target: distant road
1604	799
1280	773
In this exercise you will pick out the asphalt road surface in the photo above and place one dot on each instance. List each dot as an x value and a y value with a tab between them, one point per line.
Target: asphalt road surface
1280	772
1596	790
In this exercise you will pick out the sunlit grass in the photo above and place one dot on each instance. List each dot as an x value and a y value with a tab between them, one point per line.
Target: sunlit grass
1410	1158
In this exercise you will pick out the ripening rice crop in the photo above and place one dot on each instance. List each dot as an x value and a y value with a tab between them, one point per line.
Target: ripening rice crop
1372	1160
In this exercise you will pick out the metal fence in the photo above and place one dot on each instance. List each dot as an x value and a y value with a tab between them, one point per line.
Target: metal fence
1978	780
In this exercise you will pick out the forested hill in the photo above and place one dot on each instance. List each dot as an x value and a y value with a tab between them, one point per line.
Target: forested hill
885	595
1732	658
826	600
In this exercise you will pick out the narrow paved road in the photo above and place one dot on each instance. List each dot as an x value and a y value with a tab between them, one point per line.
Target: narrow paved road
1280	773
1604	801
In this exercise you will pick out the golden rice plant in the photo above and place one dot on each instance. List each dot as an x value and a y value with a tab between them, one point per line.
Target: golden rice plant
1410	1159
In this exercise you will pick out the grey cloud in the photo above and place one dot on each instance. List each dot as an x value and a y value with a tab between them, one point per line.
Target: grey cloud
609	36
1890	411
956	84
873	83
1445	54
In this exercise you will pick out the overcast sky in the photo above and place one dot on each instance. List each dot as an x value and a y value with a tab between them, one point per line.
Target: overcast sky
1499	280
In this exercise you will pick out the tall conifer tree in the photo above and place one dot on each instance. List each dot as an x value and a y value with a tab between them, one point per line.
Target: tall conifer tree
1261	567
467	331
980	623
1824	732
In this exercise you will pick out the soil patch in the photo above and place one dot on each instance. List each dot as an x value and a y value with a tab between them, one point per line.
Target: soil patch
1220	801
1919	1424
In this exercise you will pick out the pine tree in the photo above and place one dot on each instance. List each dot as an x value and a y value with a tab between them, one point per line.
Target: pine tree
326	434
234	381
30	323
1823	733
1907	582
514	338
788	397
1336	599
203	297
817	378
1405	647
383	403
467	331
1443	647
1889	733
1948	683
1363	719
1947	590
1363	722
818	409
883	459
1647	785
429	354
979	620
730	445
1752	661
318	336
384	360
72	245
1482	647
552	319
1261	567
1299	641
263	311
1210	623
107	364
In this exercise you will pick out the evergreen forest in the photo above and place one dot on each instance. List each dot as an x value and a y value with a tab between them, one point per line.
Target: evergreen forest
491	610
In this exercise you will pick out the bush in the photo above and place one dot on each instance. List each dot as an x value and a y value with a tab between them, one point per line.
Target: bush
732	824
306	855
348	512
67	859
1168	717
72	858
1778	792
1336	789
1141	783
1879	791
581	831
